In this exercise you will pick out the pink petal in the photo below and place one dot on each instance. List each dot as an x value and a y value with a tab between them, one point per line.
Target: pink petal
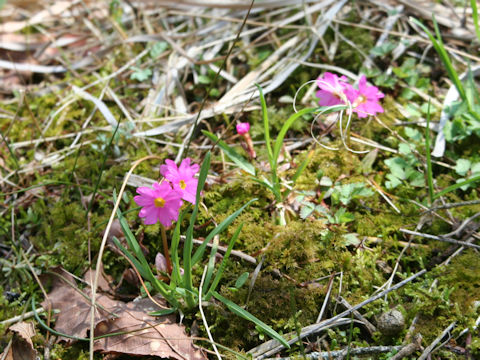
143	200
145	191
327	98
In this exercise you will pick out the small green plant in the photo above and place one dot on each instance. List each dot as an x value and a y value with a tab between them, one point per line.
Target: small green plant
180	291
405	169
467	170
340	195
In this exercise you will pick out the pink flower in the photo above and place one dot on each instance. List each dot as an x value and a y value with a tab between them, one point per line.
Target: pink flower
182	178
332	89
160	203
365	100
243	128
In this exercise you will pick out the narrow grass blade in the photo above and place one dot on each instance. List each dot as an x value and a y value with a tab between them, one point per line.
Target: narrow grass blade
266	126
176	276
232	154
473	4
224	263
283	132
438	45
456	186
210	266
188	245
428	156
299	171
134	260
246	315
222	226
264	183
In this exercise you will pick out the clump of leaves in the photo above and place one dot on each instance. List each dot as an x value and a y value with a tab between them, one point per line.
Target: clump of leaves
405	170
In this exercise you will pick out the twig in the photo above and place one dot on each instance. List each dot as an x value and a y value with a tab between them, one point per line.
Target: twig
462	226
408	349
430	347
370	327
441	238
223	249
325	302
340	353
21	317
453	205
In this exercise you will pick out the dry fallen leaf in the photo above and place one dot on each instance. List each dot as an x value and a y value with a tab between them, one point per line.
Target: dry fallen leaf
144	334
22	346
74	308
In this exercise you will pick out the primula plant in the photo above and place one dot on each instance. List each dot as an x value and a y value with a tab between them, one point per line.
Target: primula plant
335	95
163	203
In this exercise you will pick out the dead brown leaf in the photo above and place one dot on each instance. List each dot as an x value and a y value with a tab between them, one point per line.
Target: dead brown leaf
22	346
74	308
141	334
146	335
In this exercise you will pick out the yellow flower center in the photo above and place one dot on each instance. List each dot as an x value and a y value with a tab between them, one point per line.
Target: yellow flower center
182	184
159	202
360	100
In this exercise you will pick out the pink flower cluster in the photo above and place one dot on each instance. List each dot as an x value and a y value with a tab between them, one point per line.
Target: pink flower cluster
336	90
163	202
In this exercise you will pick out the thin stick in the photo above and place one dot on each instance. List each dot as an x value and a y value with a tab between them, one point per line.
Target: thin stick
102	247
325	302
441	238
341	353
21	317
430	347
454	205
370	327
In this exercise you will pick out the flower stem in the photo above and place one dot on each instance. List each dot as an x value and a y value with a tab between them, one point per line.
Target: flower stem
165	250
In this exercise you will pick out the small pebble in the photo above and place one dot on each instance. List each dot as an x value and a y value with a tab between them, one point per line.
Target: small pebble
391	322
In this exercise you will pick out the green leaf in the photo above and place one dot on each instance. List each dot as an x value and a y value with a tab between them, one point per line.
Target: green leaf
241	280
462	166
158	48
247	316
141	74
351	239
224	263
416	179
283	131
404	149
203	79
232	154
383	49
397	167
475	168
188	245
306	210
392	182
162	312
266	126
